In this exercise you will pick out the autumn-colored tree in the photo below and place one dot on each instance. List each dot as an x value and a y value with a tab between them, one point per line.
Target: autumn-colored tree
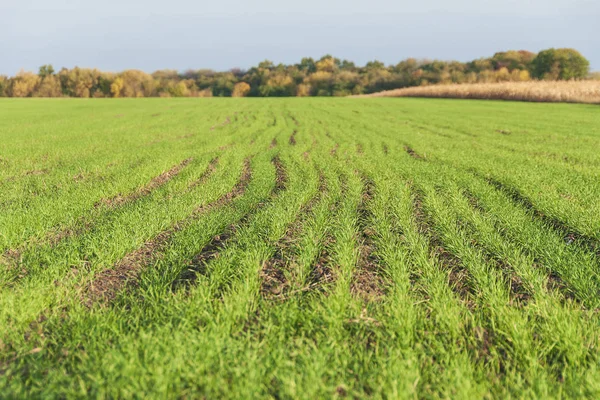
79	82
326	64
303	90
278	85
137	83
116	87
240	89
327	76
49	87
24	84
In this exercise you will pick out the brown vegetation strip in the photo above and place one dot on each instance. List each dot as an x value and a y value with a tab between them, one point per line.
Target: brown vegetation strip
273	143
385	149
359	149
586	91
367	282
108	283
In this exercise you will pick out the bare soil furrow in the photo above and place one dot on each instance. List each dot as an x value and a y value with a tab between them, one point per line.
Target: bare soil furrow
569	234
211	251
459	277
367	281
274	281
108	283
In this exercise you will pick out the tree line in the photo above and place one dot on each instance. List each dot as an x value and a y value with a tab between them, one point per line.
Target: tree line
327	76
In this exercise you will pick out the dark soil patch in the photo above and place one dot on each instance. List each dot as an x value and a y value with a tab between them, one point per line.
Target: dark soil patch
199	264
385	149
273	143
413	153
212	167
272	275
274	283
211	251
334	150
108	283
367	282
557	284
293	138
504	132
281	177
321	274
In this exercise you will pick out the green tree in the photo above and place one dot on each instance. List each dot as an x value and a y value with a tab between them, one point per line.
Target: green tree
560	64
46	70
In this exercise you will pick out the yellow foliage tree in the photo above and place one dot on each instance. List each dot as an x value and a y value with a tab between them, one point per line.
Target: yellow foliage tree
240	89
116	87
326	64
303	90
24	84
49	87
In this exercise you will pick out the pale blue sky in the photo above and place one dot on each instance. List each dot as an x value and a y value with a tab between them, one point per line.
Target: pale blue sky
113	35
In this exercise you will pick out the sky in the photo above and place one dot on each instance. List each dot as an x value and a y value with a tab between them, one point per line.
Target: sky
113	35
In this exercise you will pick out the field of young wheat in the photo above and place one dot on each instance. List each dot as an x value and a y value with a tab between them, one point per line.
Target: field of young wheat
299	248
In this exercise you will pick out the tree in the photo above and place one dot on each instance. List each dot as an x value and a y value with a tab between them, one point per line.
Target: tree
46	70
24	84
326	64
308	65
137	83
562	64
513	60
240	89
116	87
49	87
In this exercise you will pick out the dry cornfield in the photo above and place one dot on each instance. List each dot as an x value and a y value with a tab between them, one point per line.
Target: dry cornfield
584	91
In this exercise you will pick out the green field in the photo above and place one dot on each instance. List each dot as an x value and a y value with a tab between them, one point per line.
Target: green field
299	248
